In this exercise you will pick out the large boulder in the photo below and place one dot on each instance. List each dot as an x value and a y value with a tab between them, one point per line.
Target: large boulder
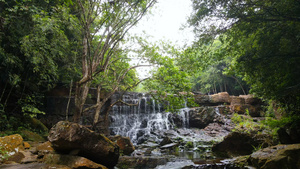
125	144
10	146
202	116
67	137
280	156
220	98
236	144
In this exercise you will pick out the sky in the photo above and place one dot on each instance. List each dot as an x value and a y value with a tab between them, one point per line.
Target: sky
168	16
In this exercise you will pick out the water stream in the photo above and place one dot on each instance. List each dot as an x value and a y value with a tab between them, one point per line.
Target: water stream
146	124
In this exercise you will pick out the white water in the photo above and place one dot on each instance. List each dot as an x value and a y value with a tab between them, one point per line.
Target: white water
143	121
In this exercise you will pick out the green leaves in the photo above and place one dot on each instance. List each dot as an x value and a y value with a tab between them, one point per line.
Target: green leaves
262	43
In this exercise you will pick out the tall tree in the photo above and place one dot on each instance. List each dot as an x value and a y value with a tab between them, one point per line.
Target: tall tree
33	42
263	41
110	20
206	63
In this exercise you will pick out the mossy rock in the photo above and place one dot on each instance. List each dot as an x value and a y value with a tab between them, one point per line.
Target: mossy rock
280	156
38	125
31	136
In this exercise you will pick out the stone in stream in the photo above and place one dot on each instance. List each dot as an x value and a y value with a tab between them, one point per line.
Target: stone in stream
67	136
168	146
202	116
166	140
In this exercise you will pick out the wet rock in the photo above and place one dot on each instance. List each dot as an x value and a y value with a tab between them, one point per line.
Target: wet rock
202	116
126	162
169	146
74	162
166	140
235	144
126	146
183	132
280	156
66	137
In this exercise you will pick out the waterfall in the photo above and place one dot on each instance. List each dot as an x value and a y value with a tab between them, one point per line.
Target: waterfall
184	114
146	120
139	122
217	110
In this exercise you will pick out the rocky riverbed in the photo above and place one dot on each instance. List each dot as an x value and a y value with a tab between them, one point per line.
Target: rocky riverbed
193	138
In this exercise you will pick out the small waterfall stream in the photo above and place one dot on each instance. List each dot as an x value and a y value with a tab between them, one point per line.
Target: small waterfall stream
140	122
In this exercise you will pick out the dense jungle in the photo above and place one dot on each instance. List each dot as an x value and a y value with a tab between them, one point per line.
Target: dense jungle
71	95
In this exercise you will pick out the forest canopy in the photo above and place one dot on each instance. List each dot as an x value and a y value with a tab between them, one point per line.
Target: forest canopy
260	43
241	46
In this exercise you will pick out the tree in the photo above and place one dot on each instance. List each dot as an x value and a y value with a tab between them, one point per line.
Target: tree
36	38
206	64
110	21
263	39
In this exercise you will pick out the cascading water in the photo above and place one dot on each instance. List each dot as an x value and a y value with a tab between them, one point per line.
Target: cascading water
184	114
144	121
139	122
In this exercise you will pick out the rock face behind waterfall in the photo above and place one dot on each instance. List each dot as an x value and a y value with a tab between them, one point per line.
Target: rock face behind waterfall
202	116
66	137
235	104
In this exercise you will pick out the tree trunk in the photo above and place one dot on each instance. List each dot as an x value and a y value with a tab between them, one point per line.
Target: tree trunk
80	98
99	106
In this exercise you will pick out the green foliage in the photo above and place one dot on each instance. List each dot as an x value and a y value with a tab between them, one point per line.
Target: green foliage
29	106
170	85
37	50
286	121
245	123
206	64
189	144
262	40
